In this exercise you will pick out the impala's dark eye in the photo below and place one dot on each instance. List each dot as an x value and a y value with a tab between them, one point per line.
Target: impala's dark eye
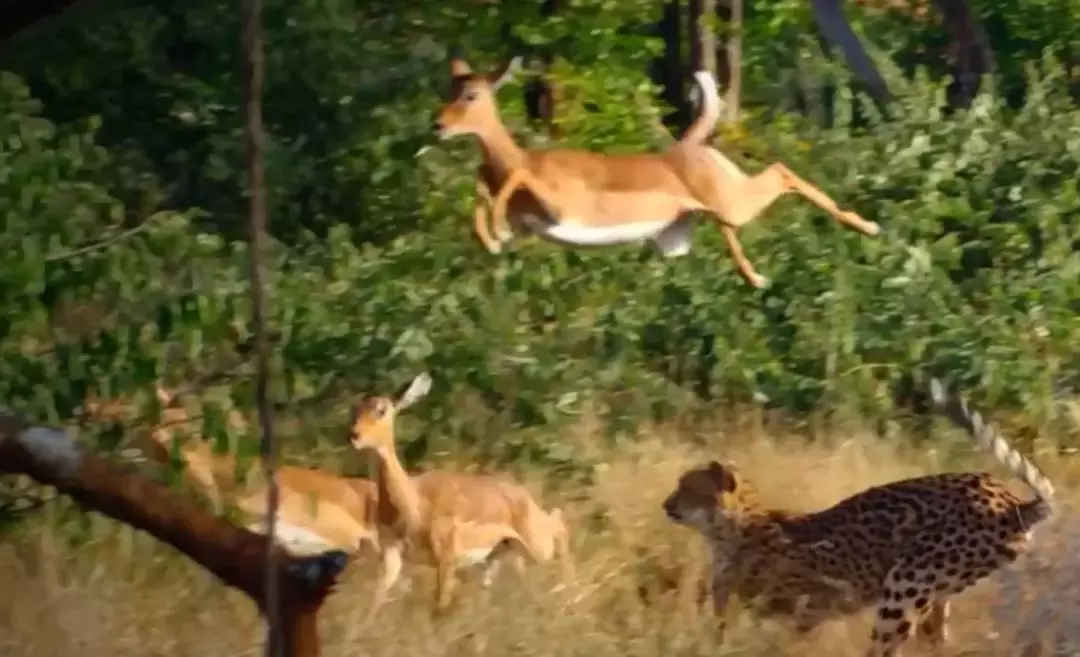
469	96
379	410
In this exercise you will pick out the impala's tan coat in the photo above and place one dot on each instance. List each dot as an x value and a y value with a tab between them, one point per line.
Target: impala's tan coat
447	519
581	198
317	510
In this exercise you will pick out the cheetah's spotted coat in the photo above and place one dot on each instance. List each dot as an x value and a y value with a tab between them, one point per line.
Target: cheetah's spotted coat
905	547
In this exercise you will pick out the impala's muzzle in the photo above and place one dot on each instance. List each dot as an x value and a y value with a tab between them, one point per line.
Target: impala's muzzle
356	439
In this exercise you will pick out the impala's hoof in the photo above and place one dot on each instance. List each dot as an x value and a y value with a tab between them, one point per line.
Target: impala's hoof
758	281
442	613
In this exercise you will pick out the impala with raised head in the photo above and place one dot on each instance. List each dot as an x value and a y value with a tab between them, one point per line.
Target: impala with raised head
448	519
583	198
317	510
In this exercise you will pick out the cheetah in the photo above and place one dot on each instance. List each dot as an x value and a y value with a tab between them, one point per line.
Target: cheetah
905	547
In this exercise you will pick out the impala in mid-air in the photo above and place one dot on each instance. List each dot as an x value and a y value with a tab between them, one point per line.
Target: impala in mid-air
583	198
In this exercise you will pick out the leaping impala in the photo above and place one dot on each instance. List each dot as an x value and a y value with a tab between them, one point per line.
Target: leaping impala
583	198
447	519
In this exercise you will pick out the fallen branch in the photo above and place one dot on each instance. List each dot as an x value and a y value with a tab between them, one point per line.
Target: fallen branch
235	556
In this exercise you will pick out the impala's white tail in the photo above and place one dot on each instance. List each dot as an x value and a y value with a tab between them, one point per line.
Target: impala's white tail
956	409
709	112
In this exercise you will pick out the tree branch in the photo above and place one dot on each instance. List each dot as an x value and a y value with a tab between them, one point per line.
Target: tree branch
834	27
235	556
105	243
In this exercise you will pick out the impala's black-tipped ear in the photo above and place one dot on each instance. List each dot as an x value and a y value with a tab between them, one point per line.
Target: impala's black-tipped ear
504	73
458	66
418	387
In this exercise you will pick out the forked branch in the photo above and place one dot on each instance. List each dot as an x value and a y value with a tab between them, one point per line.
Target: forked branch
52	457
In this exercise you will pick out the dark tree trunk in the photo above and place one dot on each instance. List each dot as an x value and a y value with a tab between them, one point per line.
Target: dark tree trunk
541	94
826	91
667	70
970	52
837	32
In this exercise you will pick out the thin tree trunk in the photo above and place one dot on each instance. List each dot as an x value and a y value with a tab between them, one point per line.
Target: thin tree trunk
540	93
277	636
730	59
702	36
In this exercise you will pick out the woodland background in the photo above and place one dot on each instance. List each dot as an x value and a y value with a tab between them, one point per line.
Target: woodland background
123	227
123	199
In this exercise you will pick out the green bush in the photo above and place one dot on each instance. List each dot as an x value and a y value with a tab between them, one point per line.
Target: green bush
376	275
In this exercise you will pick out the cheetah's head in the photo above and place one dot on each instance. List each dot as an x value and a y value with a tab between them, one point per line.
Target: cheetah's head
702	494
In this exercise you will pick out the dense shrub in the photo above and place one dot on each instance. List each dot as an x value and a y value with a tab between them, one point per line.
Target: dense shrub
376	273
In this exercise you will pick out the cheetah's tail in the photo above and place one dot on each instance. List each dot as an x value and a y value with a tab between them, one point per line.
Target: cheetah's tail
956	409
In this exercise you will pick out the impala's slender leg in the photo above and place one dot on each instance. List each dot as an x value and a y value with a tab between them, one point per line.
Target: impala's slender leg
502	199
741	261
490	570
737	199
523	178
748	198
445	580
501	229
819	198
480	218
392	561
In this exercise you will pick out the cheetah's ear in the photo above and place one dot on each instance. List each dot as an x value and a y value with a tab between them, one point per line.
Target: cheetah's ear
723	477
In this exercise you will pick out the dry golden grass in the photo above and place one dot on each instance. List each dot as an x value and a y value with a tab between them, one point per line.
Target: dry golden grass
126	595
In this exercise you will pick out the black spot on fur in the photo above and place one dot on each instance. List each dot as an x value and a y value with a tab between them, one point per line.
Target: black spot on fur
888	613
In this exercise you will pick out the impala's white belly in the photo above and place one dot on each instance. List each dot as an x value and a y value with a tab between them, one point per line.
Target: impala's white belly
474	557
571	232
295	539
672	237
